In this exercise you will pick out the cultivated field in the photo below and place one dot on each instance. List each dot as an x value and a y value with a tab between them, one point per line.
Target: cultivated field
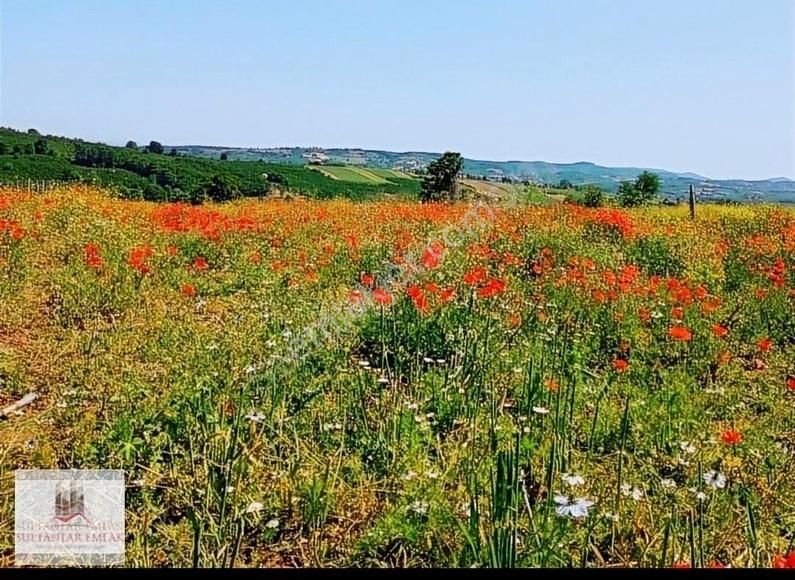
394	384
352	174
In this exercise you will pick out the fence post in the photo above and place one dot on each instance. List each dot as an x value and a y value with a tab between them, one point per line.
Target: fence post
692	202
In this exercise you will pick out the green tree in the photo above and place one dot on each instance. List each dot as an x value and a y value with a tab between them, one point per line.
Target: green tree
131	145
640	192
41	147
3	148
593	196
155	147
224	156
648	184
222	188
441	181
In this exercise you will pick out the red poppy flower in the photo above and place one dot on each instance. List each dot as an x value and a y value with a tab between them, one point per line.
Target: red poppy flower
367	280
787	561
355	297
791	384
680	333
200	263
598	296
93	258
171	250
731	437
447	295
719	330
492	288
681	564
382	297
432	288
188	290
137	259
765	344
475	276
620	365
430	258
418	297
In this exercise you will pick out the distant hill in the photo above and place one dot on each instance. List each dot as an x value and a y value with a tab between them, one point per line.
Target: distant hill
134	172
673	184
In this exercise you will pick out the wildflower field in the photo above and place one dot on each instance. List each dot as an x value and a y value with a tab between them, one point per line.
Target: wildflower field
307	383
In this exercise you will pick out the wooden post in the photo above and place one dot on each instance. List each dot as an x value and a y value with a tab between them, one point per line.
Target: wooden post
692	202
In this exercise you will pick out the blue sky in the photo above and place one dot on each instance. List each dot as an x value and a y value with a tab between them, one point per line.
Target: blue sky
702	85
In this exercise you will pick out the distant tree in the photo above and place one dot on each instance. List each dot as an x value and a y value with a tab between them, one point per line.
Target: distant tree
648	184
41	147
131	145
33	132
3	148
173	152
155	147
441	181
224	156
640	192
222	188
565	184
593	196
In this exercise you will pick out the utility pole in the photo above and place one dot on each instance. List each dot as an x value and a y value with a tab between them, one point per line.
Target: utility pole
692	202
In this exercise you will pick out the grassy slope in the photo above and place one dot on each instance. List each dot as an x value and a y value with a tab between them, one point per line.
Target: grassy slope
138	174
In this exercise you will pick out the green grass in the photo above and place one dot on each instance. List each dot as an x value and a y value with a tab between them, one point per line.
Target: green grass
350	174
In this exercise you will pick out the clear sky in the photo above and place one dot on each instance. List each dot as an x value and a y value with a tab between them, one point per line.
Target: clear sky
706	86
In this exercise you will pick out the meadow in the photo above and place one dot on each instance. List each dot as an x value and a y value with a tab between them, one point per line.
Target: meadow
331	383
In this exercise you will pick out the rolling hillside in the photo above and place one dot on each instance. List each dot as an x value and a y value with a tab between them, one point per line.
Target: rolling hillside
134	172
673	184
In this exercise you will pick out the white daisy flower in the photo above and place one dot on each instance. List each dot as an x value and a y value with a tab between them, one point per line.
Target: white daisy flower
419	507
630	491
573	479
256	417
715	479
572	508
272	523
541	410
668	483
687	447
254	507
